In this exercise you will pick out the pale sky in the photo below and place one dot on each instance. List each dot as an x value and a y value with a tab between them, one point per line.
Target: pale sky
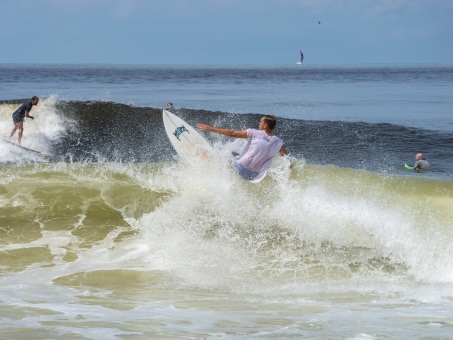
223	32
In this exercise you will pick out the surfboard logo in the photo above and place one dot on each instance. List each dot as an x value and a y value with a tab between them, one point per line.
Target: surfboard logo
179	131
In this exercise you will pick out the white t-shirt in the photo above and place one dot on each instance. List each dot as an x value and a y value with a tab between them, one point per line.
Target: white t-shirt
260	148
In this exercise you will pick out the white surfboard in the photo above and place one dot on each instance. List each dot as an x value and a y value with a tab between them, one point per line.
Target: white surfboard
259	177
40	153
188	143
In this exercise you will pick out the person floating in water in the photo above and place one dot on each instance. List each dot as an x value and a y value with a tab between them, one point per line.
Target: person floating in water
421	164
19	116
170	106
262	145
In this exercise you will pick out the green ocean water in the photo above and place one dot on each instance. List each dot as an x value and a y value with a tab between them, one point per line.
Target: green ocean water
175	250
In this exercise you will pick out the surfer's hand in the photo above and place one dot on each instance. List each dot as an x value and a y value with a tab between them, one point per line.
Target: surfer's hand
31	117
203	126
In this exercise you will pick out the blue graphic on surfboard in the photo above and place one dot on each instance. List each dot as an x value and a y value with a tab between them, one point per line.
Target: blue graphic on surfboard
188	143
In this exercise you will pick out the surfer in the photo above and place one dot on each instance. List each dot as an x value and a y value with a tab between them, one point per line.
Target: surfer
19	116
262	145
421	163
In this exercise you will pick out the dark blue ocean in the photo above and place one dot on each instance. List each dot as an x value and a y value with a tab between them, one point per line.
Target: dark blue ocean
389	111
114	236
416	96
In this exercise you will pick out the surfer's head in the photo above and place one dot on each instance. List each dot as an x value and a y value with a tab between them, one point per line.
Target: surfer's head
418	156
270	121
34	100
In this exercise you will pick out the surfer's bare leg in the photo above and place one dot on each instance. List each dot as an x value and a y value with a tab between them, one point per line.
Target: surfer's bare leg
18	126
13	131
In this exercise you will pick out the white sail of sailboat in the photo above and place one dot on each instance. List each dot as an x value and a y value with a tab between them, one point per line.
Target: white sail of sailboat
301	58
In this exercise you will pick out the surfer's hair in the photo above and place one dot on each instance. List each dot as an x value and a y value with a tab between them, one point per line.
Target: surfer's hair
271	121
34	98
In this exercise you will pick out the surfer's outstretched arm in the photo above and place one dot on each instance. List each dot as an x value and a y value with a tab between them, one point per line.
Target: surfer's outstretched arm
225	132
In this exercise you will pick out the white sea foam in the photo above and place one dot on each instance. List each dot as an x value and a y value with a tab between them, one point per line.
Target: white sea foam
217	230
